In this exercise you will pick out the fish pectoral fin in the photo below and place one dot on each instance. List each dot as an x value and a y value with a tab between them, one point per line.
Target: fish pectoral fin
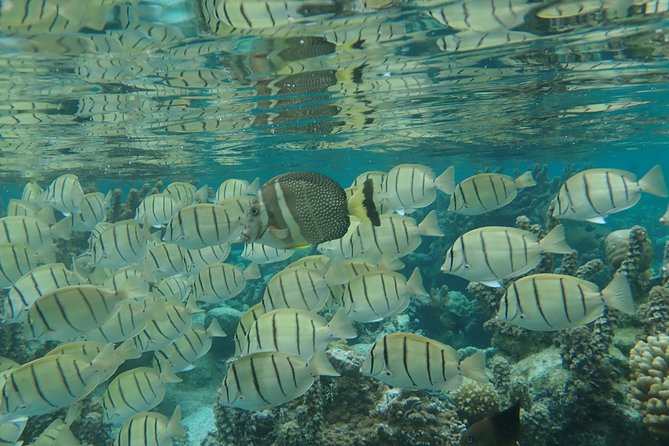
597	220
491	283
279	233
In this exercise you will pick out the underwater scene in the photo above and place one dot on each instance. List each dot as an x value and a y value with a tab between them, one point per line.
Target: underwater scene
334	222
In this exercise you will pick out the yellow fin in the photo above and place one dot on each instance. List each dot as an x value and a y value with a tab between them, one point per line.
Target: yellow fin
361	204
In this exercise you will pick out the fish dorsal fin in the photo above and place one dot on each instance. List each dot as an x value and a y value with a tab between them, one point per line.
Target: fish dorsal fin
361	204
507	424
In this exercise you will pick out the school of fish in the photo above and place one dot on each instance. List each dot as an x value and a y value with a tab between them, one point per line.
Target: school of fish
135	290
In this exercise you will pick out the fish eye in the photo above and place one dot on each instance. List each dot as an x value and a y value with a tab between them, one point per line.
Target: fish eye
254	211
470	440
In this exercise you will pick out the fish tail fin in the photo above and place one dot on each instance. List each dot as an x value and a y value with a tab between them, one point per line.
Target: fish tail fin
202	194
168	377
341	327
555	242
473	367
73	413
430	226
253	187
618	294
214	330
361	204
653	182
415	284
128	350
446	181
390	264
252	272
107	359
174	427
46	215
62	229
192	307
525	180
47	253
320	365
335	274
133	288
507	423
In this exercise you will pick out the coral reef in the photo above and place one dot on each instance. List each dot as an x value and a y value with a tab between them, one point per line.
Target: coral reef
635	264
617	246
347	410
475	401
119	211
655	312
649	381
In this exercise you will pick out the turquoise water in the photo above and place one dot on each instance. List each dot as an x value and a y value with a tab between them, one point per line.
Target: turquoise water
127	93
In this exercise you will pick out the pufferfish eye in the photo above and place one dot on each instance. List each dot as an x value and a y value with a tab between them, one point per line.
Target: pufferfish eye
254	211
470	440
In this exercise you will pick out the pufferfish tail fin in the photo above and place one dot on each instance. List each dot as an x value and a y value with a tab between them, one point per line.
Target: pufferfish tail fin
361	204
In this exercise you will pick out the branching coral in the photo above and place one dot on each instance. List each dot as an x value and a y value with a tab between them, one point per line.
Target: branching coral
649	381
655	312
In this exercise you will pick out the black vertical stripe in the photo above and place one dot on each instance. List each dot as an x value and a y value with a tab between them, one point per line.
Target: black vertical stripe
537	300
564	299
405	360
427	363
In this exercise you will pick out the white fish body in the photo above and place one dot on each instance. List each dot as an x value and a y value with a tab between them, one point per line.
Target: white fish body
93	210
486	192
31	286
196	259
164	260
52	382
22	208
10	431
593	194
262	254
263	380
482	16
88	351
411	361
130	319
186	194
71	311
157	210
121	244
180	355
150	429
33	193
547	302
18	260
233	187
397	236
200	225
246	321
58	432
346	247
134	391
412	186
221	281
166	327
378	181
494	253
175	289
133	273
377	295
30	231
296	332
65	194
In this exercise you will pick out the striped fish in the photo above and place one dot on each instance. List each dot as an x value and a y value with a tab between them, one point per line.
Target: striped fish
58	432
134	391
52	382
18	260
317	262
378	181
593	194
493	253
172	323
296	332
180	355
486	192
411	361
164	260
134	274
483	16
174	289
547	302
33	193
346	247
30	287
262	254
65	194
221	281
201	225
96	231
93	210
130	319
30	231
150	429
22	208
378	295
186	194
121	244
88	351
68	312
157	210
196	259
236	188
263	380
397	236
472	41
413	186
246	321
301	288
11	431
7	364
